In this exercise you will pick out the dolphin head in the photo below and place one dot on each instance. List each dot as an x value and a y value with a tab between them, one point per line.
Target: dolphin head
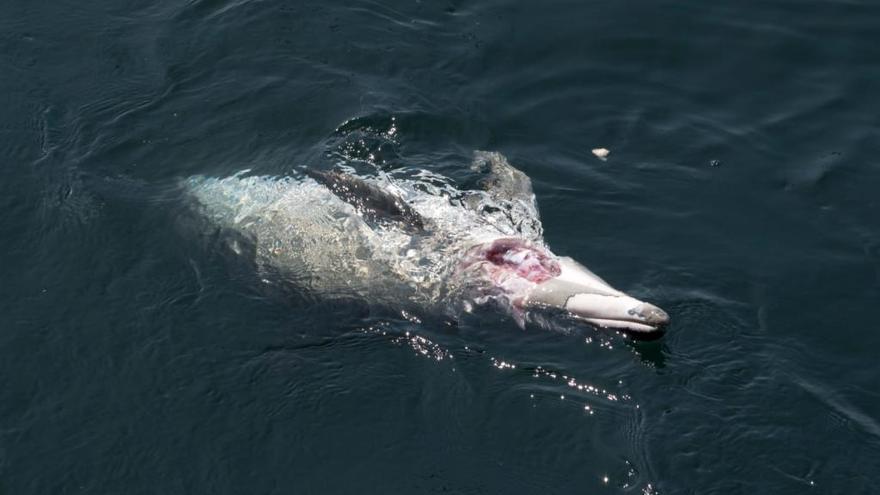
532	278
585	296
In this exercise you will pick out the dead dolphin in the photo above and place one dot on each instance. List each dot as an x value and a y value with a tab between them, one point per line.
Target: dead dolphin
417	242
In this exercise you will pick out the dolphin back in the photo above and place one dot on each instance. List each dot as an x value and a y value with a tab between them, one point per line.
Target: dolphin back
337	234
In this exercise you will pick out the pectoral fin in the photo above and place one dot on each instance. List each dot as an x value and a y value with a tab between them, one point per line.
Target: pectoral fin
369	199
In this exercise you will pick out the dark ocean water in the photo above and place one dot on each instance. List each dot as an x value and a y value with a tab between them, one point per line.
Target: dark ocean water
741	195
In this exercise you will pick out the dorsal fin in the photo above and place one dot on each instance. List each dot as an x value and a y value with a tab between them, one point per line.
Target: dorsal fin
511	189
502	181
369	199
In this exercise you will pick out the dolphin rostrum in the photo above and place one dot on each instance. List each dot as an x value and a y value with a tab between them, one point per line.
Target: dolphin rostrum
417	243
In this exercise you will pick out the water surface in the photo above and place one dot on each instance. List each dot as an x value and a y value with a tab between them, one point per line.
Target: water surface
740	195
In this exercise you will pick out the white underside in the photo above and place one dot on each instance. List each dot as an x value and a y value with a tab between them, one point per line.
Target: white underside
621	324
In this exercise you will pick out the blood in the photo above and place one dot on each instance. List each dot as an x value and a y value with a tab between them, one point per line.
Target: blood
529	262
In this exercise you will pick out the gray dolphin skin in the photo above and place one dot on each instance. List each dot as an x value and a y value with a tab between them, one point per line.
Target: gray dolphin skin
415	243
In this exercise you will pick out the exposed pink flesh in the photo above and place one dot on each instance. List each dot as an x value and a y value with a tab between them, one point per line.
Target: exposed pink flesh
529	262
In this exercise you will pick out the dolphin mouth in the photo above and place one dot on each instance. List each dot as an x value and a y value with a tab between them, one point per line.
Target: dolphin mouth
624	313
620	312
653	326
586	297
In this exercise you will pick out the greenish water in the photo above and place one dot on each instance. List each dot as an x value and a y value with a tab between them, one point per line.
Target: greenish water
740	195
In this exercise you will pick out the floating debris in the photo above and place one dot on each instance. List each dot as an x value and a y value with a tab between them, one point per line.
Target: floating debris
601	153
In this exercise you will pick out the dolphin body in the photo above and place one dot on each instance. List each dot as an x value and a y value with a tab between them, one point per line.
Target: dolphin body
416	243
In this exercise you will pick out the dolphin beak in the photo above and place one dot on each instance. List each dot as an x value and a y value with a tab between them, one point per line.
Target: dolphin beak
587	297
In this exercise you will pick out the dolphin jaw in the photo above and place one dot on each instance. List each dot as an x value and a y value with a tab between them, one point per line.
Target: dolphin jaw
586	297
627	326
621	312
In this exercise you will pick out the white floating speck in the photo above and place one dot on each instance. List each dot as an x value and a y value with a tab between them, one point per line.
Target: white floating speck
601	153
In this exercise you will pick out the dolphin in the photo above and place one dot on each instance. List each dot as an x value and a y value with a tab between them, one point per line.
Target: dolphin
416	243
